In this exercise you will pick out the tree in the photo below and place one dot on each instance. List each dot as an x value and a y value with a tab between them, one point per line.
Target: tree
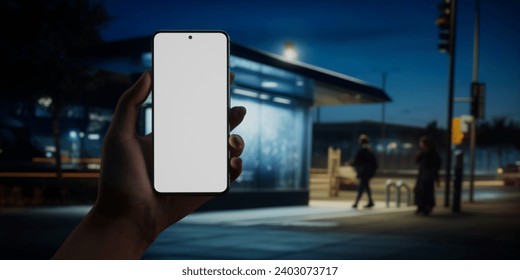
513	134
498	130
500	134
38	53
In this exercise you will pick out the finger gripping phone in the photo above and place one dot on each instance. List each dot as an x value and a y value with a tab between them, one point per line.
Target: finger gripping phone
190	99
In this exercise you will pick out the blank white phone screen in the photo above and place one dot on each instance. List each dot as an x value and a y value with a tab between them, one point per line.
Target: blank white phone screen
190	107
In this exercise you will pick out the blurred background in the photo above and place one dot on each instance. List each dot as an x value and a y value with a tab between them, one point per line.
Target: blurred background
312	76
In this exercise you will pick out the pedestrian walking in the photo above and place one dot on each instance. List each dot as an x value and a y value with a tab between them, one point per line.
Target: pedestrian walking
365	164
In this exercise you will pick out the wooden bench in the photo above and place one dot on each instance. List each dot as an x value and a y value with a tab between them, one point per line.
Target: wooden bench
340	177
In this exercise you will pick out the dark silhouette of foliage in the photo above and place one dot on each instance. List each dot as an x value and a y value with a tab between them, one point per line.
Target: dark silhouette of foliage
40	39
501	134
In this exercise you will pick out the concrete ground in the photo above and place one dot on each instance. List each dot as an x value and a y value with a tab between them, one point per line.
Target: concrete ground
326	229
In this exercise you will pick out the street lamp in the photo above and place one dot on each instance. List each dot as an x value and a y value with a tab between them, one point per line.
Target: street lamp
289	51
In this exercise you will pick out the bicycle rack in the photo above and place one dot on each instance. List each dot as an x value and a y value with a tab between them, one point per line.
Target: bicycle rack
399	185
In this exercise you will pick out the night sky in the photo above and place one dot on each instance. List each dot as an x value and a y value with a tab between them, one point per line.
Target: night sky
360	39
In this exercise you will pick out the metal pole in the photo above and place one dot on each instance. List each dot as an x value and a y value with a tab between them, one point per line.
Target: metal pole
457	184
383	136
476	32
472	140
472	158
450	102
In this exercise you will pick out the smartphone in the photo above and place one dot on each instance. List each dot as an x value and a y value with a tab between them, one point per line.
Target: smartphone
190	101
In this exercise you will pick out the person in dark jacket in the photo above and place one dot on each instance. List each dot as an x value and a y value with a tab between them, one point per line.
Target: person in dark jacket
429	163
365	164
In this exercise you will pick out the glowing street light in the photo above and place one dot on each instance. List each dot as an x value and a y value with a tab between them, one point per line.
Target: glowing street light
289	51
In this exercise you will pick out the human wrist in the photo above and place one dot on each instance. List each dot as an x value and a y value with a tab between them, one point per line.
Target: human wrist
126	232
99	236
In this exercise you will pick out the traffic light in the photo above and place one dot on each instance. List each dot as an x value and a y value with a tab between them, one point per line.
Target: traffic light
456	131
477	100
443	21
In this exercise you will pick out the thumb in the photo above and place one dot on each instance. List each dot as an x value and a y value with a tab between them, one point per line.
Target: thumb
127	110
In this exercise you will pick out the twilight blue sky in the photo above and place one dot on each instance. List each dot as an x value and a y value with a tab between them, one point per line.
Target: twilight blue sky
360	38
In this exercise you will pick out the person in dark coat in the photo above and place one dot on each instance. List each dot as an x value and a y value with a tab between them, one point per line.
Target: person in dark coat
365	164
429	163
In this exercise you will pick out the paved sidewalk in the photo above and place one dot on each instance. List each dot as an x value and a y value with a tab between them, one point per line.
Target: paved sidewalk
332	230
326	229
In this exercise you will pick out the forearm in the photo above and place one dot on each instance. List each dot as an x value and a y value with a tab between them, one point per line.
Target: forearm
101	237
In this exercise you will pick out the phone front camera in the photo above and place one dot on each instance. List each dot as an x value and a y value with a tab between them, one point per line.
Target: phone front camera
190	37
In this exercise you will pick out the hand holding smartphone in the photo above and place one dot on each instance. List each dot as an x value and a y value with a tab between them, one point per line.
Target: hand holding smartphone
190	99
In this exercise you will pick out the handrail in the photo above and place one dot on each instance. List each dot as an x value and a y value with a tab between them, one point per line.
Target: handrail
399	185
389	184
